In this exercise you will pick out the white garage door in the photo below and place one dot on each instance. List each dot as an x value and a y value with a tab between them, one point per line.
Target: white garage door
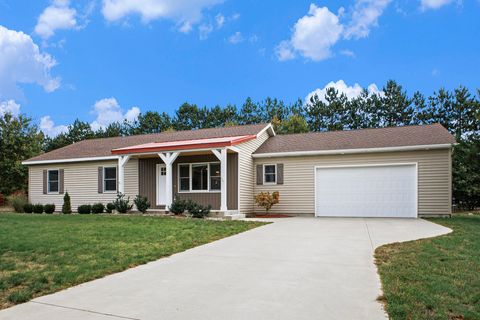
366	191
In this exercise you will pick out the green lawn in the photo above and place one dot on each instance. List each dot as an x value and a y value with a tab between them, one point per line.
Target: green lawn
40	254
436	278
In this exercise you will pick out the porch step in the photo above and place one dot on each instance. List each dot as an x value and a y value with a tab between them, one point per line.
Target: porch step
236	216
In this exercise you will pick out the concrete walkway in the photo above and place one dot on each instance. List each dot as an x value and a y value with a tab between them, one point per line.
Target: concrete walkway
295	268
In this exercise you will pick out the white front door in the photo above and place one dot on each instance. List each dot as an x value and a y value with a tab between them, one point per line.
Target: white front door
161	184
367	191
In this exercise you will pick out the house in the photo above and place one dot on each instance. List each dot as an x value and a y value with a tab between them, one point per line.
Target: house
388	172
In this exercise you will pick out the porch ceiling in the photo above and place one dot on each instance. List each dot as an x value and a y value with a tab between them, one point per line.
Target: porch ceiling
191	145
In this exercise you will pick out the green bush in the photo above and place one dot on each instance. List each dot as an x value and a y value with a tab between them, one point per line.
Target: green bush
98	208
28	208
38	208
18	202
49	208
109	207
84	209
198	211
178	206
67	206
122	205
141	203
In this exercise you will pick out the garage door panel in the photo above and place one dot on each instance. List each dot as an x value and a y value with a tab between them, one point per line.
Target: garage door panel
368	191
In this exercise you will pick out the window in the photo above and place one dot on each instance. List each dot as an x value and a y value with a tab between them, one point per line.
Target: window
163	171
215	177
110	179
52	181
270	173
199	177
184	177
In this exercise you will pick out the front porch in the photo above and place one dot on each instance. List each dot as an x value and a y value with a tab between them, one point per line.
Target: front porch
204	171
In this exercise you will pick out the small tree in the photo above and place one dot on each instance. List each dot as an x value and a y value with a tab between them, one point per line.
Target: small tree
267	200
67	206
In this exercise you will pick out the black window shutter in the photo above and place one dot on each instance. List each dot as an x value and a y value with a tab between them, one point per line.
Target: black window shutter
259	174
279	173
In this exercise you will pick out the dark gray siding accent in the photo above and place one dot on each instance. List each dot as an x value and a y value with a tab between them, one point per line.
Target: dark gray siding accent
279	173
147	186
232	181
147	181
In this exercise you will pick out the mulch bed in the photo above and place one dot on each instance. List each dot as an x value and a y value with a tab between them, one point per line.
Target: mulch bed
272	216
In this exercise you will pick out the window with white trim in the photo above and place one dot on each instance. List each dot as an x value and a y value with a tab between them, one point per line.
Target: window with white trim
270	174
199	177
184	177
110	179
53	181
215	176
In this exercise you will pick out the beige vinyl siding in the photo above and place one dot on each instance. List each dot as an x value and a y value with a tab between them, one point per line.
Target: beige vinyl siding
246	171
297	192
81	182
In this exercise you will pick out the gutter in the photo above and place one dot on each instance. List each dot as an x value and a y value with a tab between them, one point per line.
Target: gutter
32	162
351	151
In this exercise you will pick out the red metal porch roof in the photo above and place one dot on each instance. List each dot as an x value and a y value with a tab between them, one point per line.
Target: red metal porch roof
184	145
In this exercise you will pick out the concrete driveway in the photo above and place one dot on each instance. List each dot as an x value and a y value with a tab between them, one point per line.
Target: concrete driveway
296	268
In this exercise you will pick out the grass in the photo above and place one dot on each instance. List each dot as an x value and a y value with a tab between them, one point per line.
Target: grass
437	278
41	254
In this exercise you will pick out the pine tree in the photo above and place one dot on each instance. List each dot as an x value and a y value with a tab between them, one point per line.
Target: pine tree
67	207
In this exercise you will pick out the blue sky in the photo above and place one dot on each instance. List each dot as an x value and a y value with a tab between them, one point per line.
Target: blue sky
104	60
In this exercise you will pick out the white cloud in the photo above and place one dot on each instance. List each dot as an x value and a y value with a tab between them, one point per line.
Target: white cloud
434	4
9	106
22	62
57	16
235	38
316	33
220	20
364	16
313	35
49	128
185	13
204	30
350	91
348	53
108	110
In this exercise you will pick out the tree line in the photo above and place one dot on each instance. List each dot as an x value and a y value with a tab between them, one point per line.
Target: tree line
457	110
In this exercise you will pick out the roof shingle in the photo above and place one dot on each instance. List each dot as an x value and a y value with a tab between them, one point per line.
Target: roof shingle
358	139
103	147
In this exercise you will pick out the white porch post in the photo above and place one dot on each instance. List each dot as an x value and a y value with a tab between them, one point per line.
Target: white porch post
122	161
168	158
222	156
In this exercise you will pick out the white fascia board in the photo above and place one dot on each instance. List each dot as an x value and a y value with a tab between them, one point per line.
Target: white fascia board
69	160
267	127
351	151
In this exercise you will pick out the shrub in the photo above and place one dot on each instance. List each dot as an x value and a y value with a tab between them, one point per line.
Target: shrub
84	209
18	202
49	208
178	206
28	208
38	208
67	206
141	203
98	208
267	200
122	205
110	207
198	211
